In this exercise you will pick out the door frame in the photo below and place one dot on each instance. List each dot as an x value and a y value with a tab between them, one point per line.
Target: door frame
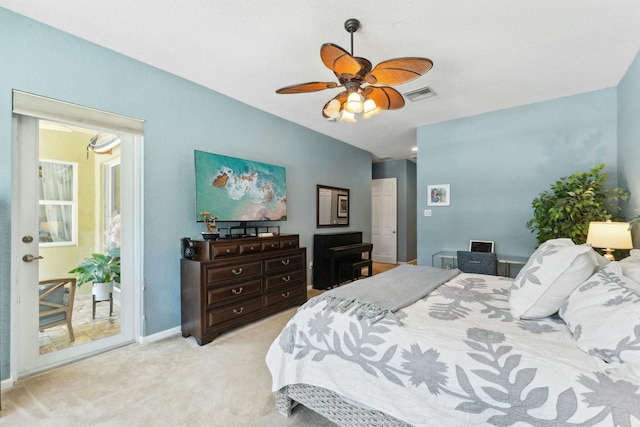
132	172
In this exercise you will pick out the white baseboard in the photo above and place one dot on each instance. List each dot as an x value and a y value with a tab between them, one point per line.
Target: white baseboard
6	384
160	335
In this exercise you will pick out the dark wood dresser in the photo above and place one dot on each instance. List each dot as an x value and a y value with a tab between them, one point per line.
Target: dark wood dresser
229	283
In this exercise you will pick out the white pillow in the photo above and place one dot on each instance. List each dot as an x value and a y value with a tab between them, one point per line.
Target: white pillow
599	260
603	314
631	266
554	270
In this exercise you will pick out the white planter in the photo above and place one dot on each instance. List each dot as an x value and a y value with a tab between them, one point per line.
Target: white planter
102	291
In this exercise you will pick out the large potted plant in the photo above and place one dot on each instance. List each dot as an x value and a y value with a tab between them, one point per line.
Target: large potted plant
100	269
572	203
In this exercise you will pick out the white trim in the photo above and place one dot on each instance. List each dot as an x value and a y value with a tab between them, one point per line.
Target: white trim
32	105
6	384
160	335
131	328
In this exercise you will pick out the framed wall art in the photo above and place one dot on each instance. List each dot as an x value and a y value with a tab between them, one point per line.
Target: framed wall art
343	206
439	195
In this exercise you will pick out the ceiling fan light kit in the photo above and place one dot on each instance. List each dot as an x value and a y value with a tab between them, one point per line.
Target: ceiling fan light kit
358	77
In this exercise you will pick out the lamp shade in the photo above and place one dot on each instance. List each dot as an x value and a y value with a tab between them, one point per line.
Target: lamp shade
370	109
609	235
347	116
354	103
332	110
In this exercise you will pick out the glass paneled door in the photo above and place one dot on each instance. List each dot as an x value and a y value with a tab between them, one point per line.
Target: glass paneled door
70	208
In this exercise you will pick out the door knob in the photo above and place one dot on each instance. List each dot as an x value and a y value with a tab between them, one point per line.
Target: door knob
29	258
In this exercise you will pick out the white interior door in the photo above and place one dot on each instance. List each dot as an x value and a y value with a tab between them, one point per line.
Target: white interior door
384	212
25	347
324	206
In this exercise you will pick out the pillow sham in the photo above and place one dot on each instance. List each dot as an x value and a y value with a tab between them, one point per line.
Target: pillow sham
603	314
554	270
631	266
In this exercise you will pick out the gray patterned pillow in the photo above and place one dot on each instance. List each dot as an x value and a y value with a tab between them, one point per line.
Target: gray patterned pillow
554	270
603	314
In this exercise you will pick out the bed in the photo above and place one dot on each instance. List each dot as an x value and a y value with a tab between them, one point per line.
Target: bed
559	345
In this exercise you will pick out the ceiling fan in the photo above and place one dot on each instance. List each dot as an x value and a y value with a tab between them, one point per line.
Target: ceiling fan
360	81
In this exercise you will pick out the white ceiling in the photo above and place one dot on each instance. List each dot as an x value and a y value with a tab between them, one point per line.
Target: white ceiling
488	55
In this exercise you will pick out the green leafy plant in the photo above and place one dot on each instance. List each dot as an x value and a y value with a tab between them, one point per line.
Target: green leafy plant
98	268
572	203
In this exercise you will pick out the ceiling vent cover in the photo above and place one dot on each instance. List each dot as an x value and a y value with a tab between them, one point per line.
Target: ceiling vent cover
422	93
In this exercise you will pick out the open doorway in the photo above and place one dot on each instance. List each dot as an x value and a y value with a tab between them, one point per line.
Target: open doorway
80	207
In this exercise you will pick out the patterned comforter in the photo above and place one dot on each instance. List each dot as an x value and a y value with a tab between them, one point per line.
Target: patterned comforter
457	358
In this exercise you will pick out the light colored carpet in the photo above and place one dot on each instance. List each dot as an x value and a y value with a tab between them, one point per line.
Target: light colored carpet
173	382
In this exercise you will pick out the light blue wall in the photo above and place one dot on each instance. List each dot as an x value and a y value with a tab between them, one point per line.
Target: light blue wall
405	172
498	162
629	140
179	117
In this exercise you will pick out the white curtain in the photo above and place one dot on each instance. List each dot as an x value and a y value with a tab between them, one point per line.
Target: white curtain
56	193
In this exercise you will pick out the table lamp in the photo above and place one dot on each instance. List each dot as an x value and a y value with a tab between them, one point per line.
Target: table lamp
609	236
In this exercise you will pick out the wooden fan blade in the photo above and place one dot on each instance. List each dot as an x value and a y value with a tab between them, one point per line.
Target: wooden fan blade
397	71
385	97
307	87
339	61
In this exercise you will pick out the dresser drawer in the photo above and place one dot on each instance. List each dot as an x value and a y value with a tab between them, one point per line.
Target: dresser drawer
238	290
289	242
250	248
225	249
287	294
271	245
233	271
275	264
233	311
283	279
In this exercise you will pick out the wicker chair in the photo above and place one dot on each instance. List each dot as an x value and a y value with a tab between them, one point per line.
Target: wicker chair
56	303
478	262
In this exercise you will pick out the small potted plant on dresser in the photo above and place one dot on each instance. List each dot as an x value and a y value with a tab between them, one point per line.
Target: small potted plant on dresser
102	270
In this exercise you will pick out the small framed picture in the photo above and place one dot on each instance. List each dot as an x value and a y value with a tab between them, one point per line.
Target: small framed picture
343	206
439	195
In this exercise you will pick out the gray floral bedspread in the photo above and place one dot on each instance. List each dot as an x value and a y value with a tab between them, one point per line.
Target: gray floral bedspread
457	359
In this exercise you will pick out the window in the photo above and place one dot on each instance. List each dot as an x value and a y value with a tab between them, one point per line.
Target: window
58	191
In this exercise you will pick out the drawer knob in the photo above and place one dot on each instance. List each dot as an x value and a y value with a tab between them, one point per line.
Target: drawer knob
237	272
286	261
236	311
286	278
251	248
273	245
228	250
285	295
237	291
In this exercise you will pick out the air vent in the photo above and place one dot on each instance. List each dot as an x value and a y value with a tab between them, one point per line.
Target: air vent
422	93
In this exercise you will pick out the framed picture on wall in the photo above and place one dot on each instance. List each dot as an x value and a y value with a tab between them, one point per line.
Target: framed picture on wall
343	205
439	195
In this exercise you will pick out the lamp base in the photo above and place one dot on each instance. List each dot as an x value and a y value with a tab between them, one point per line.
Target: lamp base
609	254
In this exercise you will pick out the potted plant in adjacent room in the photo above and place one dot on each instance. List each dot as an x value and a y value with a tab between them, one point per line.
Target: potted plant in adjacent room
573	203
100	269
